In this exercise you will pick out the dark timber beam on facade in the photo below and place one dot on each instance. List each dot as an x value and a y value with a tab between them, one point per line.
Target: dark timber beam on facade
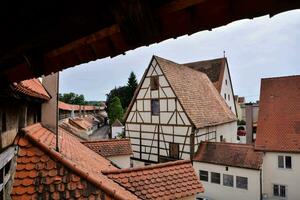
84	31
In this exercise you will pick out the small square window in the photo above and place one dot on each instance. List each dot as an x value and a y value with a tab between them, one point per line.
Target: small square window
279	190
203	175
155	107
228	180
154	82
242	182
215	177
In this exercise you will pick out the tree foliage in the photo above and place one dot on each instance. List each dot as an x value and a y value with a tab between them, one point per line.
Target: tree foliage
115	110
132	85
72	98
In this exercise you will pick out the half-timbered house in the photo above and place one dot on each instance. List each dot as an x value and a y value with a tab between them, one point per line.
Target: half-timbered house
174	108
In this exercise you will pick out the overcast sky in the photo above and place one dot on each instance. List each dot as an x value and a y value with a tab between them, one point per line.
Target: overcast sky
262	47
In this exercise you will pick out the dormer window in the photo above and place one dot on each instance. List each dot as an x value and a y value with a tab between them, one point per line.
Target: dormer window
154	82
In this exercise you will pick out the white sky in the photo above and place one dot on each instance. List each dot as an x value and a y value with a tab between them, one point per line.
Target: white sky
263	47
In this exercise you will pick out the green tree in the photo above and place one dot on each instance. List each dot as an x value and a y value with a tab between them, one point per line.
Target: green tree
115	110
72	98
132	84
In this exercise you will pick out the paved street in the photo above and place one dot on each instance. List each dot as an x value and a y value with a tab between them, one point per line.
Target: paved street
101	133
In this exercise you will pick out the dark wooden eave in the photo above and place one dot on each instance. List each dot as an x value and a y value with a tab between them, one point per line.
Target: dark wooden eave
38	38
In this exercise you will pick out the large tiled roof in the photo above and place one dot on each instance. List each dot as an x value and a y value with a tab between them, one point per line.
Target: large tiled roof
33	88
172	180
229	154
72	173
196	93
214	69
278	126
113	147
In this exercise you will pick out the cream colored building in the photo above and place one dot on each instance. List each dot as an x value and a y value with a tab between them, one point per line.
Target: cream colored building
278	136
229	171
175	108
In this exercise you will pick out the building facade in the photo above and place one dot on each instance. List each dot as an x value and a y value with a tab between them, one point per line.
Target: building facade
173	110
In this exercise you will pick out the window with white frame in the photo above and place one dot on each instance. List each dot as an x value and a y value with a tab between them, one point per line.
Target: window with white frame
242	182
228	180
279	190
284	162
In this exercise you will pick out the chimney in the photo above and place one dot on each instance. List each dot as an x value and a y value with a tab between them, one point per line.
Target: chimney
249	123
50	108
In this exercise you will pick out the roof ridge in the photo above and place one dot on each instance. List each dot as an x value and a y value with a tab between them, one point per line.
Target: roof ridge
116	171
229	143
207	60
281	77
71	165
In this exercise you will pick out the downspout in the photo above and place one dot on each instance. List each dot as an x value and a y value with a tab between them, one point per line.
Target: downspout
57	113
260	183
192	144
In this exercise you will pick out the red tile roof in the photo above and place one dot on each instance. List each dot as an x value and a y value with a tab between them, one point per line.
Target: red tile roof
66	106
172	180
197	95
73	172
81	123
278	126
229	154
113	147
214	69
117	123
33	88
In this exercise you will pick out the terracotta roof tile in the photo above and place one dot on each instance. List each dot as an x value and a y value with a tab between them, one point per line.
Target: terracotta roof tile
117	123
278	127
229	154
74	172
113	147
152	182
32	87
198	96
82	123
66	106
214	69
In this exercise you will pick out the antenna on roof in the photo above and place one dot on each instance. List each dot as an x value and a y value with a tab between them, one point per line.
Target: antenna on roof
224	54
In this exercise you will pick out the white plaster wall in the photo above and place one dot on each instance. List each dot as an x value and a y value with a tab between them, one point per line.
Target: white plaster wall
226	89
115	130
122	161
228	130
221	192
137	163
274	175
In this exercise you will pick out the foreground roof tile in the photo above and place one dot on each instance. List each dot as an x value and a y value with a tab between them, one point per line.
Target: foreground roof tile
72	173
33	88
172	180
278	127
113	147
229	154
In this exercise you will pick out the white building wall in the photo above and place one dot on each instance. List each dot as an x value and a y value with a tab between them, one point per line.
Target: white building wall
221	192
288	177
226	90
122	161
115	130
